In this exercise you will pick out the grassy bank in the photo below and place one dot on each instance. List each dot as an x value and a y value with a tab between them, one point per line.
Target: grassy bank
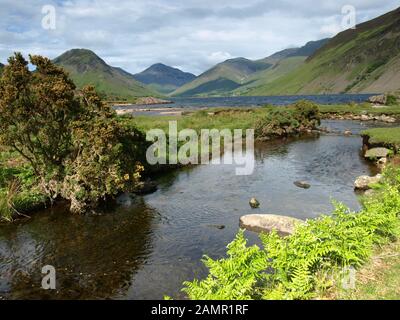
379	279
19	190
310	263
384	136
360	109
297	116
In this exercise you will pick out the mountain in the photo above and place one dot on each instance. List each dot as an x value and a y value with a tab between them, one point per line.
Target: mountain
239	76
164	79
361	60
224	77
85	67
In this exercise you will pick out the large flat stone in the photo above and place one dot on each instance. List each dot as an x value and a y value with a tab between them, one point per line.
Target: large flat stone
376	153
265	223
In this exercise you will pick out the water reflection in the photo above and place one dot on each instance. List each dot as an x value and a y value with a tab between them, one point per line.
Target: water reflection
148	249
94	256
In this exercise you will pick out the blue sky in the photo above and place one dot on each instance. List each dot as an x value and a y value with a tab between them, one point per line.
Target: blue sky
189	34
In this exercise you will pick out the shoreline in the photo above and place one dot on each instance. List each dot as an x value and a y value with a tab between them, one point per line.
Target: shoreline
214	114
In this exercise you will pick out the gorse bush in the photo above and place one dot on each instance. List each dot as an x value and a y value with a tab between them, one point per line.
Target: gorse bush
305	264
301	116
73	142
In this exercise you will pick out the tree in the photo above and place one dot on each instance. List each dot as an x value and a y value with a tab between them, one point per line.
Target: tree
36	112
75	144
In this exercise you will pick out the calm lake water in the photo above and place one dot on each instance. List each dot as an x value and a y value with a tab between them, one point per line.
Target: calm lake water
147	249
261	101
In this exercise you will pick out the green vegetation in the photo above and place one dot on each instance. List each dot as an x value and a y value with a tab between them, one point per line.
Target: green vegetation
378	279
114	84
391	100
347	63
310	262
241	76
302	116
19	191
281	121
256	84
360	109
384	136
224	77
73	145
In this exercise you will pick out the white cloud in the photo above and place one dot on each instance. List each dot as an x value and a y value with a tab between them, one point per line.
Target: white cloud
191	34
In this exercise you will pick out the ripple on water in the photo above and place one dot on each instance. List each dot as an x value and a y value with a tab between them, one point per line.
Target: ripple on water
148	250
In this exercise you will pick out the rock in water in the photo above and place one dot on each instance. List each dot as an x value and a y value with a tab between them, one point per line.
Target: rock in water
364	182
302	184
377	153
254	203
267	222
125	199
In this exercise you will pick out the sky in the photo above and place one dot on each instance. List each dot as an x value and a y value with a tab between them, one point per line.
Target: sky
192	35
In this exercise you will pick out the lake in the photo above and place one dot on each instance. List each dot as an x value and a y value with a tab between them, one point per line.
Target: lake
146	249
184	104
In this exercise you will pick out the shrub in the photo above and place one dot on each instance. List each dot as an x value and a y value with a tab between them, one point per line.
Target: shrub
391	100
76	147
296	118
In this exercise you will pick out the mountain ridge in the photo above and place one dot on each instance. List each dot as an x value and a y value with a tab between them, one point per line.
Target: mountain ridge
361	60
163	78
85	67
228	77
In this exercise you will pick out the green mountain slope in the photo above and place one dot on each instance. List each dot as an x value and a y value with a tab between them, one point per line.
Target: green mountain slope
256	83
241	76
85	67
361	60
223	77
1	67
164	79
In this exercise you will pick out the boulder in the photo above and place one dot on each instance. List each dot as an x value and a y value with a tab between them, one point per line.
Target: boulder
254	203
265	223
387	119
379	99
364	182
377	153
302	184
348	133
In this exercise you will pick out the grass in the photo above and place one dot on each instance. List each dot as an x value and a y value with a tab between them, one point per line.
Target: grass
243	118
384	136
379	279
218	118
19	192
359	109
